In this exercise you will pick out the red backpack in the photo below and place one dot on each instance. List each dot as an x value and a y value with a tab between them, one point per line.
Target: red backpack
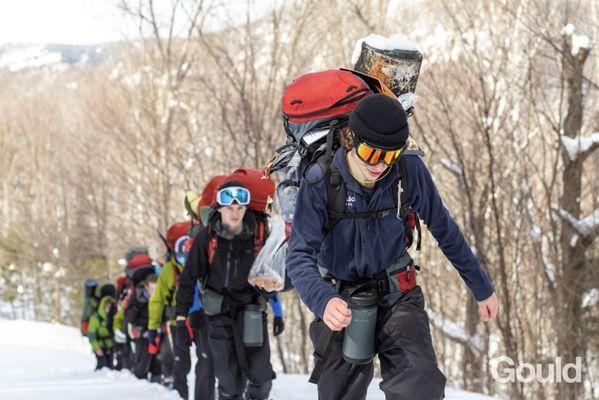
209	192
175	231
315	107
262	189
318	99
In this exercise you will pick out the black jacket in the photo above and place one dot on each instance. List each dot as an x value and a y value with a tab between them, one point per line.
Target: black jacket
230	267
136	312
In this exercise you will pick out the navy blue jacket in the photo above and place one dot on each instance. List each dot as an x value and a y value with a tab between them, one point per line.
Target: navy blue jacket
360	247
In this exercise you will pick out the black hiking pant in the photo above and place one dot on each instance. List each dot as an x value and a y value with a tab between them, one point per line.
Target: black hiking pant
122	353
166	356
144	362
105	360
405	350
204	369
256	382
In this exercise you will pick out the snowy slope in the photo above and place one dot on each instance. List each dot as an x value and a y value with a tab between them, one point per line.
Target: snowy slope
45	361
57	56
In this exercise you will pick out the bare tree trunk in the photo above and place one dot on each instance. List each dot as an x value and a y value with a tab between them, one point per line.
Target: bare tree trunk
281	353
571	339
472	364
57	300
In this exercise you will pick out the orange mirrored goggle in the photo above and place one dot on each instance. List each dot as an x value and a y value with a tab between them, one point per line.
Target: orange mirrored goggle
373	155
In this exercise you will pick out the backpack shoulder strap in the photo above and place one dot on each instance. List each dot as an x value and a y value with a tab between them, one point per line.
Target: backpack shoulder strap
260	234
335	187
336	193
173	288
404	208
212	243
403	205
176	274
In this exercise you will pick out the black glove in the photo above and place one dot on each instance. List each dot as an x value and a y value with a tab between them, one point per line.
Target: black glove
196	319
278	326
182	336
152	335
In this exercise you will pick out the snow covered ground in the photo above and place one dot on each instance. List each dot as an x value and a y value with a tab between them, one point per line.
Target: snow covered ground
46	361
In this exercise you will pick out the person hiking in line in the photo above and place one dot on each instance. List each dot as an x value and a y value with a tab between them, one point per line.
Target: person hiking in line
122	347
100	332
194	330
365	269
145	364
162	306
141	274
220	258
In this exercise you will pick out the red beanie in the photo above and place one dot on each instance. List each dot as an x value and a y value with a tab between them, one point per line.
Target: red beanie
139	260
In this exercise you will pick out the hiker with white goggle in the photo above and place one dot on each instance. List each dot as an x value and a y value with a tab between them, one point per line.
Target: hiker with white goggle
355	217
221	257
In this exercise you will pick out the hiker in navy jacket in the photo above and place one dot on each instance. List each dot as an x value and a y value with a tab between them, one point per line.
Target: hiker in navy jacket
359	248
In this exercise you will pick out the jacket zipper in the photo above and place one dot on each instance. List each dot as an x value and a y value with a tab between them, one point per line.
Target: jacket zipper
228	264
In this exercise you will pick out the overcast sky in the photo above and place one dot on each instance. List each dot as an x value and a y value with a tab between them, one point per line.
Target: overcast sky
91	21
61	21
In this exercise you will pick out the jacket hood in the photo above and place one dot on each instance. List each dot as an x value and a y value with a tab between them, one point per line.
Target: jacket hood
102	304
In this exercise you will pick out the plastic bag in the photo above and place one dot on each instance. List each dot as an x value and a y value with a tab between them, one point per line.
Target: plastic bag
268	270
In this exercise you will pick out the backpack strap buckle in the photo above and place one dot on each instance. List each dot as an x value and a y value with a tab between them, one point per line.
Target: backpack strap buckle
383	214
382	284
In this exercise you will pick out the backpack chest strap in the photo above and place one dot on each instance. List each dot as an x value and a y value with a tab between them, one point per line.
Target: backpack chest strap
365	214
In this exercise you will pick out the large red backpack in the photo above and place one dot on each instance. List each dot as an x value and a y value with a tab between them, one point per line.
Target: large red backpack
315	107
316	98
262	189
209	192
324	99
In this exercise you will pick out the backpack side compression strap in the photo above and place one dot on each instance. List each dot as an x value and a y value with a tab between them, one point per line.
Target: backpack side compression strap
404	209
321	352
323	345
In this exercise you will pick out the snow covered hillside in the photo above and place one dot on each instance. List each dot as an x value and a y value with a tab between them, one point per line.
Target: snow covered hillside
19	57
40	360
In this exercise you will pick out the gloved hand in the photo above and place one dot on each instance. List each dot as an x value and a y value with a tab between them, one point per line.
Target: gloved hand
152	335
196	319
119	336
183	334
278	326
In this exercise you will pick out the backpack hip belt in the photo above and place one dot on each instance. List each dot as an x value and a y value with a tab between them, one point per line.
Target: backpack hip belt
215	303
399	276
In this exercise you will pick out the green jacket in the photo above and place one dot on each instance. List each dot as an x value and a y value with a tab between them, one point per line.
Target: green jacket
119	317
97	332
164	295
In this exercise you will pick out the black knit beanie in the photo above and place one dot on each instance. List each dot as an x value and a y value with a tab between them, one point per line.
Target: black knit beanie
231	184
380	121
